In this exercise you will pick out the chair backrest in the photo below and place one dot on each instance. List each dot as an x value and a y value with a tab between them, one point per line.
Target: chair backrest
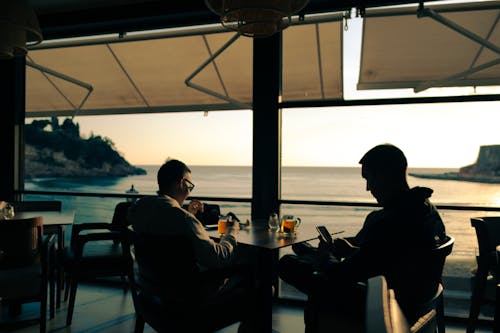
38	205
383	314
120	214
488	235
166	264
423	273
20	242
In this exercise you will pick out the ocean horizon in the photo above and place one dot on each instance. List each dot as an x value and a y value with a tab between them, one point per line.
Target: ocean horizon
342	184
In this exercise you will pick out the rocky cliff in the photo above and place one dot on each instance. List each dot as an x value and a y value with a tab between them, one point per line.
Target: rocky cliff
61	166
487	164
485	170
54	150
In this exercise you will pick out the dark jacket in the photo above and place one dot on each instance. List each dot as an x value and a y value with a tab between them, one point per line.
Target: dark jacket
396	241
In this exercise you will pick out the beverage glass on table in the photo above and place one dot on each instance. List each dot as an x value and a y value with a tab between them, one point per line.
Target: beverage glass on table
273	222
222	225
8	211
289	224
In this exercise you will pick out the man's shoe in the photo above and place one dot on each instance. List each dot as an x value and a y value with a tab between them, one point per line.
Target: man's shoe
304	248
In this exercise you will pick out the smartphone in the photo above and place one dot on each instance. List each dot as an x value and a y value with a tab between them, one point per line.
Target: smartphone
324	234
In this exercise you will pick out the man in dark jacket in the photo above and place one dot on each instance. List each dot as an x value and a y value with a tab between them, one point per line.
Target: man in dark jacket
391	242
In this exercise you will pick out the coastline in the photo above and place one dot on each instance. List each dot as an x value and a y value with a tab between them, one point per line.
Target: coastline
457	176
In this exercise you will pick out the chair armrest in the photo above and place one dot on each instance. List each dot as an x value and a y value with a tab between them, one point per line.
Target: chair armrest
99	236
94	226
86	229
78	242
425	324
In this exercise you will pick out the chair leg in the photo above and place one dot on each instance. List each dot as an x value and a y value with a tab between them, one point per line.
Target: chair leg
139	324
43	317
496	324
43	310
71	306
52	292
67	287
440	315
59	282
476	299
124	283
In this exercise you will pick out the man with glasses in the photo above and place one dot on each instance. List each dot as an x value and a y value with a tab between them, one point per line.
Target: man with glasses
163	215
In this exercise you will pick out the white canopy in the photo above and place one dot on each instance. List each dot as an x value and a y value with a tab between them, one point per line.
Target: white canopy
151	73
449	45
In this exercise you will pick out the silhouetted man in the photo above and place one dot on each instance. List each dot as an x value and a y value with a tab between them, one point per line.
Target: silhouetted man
389	240
201	305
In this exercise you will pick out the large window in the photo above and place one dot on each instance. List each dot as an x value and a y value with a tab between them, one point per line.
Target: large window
217	146
322	148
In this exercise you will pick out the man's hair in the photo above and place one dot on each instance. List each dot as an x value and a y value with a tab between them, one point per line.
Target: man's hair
385	158
170	172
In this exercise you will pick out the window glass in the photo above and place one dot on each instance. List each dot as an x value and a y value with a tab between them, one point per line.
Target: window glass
321	149
216	146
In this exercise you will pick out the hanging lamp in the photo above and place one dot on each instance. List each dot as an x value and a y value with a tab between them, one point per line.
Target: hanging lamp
256	18
19	28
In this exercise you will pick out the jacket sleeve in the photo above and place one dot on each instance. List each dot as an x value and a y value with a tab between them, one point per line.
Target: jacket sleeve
209	253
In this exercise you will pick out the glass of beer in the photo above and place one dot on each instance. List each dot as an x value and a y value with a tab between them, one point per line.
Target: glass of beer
289	224
222	225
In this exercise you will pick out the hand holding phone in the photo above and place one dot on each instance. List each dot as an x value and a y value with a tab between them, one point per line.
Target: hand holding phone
324	234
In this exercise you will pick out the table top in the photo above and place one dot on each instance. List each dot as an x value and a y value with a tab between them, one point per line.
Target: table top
259	235
49	217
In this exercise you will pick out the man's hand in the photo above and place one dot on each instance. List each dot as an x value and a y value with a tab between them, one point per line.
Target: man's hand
324	247
233	228
342	247
195	206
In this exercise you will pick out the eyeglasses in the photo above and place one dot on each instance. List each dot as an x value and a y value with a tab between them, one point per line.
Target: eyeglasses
189	185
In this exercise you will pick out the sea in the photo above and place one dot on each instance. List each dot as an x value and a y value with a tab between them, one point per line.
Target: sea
340	184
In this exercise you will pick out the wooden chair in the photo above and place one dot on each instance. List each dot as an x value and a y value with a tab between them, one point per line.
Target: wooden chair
48	206
424	266
424	270
97	250
180	273
384	315
25	256
485	277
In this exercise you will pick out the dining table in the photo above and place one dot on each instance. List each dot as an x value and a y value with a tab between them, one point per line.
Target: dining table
267	244
54	222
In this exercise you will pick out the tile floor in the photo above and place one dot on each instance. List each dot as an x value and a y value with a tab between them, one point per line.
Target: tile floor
107	309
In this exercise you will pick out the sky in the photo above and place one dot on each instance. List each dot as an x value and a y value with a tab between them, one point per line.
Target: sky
431	135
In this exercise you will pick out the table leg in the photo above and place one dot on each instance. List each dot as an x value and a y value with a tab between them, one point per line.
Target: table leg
266	274
496	325
59	259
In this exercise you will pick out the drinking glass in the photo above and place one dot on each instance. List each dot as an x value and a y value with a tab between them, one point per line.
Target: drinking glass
289	224
222	225
273	222
8	211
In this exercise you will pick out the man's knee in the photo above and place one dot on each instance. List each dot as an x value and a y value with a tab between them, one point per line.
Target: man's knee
287	264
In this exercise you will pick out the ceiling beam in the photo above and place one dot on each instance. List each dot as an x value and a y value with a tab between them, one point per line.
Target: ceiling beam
110	17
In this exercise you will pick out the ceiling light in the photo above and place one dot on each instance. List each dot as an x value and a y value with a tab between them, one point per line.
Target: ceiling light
256	18
19	28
